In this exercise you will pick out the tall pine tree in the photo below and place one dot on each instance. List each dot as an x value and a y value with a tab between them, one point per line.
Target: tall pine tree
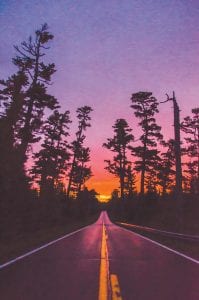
30	59
119	145
166	167
51	162
190	126
82	172
24	96
145	107
79	171
12	95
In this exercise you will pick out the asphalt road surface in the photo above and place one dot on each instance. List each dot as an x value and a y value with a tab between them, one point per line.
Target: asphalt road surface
102	261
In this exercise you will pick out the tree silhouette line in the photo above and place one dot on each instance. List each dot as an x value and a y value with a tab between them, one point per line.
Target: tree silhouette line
157	161
165	171
42	173
33	129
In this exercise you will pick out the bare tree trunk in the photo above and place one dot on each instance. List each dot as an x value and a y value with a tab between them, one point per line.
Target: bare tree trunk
122	187
178	187
70	178
26	130
143	170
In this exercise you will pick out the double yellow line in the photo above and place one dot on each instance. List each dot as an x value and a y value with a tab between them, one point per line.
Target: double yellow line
108	284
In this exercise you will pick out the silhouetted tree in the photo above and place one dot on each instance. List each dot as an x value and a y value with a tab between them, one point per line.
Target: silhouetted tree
115	194
151	176
166	170
87	203
24	97
12	95
130	180
190	126
30	59
119	144
177	145
51	162
115	204
79	171
145	107
82	172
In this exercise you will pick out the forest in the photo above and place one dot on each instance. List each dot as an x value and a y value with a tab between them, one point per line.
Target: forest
43	174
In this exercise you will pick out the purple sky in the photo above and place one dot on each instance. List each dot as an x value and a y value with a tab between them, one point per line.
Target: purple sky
106	50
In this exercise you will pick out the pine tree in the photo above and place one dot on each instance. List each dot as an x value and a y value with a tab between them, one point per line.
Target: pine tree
145	107
12	95
151	176
119	145
23	98
130	180
51	162
82	172
190	126
29	58
79	171
166	172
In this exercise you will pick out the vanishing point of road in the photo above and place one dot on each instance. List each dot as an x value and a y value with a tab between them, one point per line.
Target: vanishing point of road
100	262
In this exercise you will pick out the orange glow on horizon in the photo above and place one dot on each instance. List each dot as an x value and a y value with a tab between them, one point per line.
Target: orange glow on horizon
105	183
103	198
102	186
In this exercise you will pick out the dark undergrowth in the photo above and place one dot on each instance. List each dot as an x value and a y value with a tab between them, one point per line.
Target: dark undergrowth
168	213
29	223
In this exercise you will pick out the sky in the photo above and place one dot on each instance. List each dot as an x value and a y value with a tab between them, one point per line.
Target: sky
106	50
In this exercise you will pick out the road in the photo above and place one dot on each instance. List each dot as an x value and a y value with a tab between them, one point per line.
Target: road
101	261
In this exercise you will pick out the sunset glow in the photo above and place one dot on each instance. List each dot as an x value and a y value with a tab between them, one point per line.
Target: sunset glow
103	198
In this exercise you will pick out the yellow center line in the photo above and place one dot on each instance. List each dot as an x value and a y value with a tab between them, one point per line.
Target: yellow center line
115	287
107	282
103	278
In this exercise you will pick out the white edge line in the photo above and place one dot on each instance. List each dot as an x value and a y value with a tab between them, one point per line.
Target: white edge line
161	231
41	247
163	246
